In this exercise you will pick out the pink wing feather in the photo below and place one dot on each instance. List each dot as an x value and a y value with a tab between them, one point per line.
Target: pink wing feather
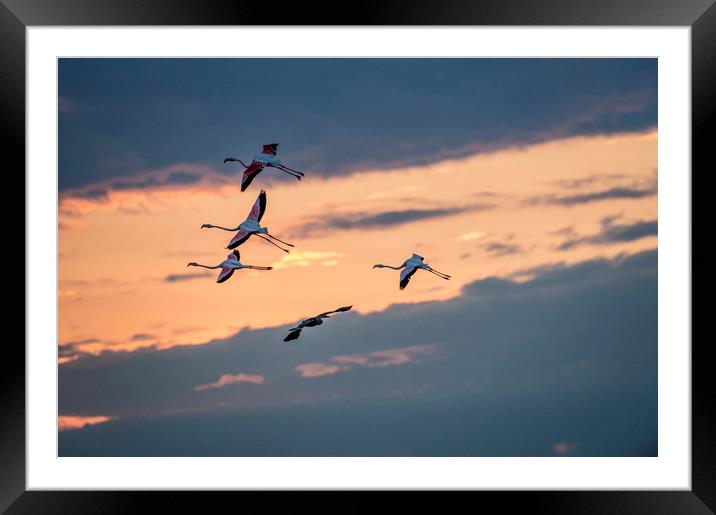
249	174
257	211
226	272
238	239
406	274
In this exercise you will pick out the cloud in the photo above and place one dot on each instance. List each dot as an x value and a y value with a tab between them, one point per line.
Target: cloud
140	193
588	181
66	350
611	233
190	276
307	258
139	337
620	193
317	369
67	423
471	236
227	379
181	174
348	115
381	220
502	249
387	357
567	355
376	359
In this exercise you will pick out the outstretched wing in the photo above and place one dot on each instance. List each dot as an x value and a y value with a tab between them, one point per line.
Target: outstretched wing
339	310
405	276
271	148
293	335
250	174
238	239
257	212
235	256
225	274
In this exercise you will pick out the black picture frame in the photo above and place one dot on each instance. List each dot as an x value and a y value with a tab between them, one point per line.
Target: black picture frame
17	15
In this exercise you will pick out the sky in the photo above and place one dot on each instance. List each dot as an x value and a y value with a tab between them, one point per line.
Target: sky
532	182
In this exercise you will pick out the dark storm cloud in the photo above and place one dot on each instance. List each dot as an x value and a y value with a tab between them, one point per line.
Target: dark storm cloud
611	233
586	198
334	116
66	350
73	349
147	180
379	220
513	368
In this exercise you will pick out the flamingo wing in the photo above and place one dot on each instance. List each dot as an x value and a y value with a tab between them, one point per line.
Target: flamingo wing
238	239
225	274
339	310
234	256
271	148
405	275
250	174
257	212
293	335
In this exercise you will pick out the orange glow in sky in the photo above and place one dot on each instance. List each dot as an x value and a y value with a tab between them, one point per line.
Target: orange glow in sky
501	213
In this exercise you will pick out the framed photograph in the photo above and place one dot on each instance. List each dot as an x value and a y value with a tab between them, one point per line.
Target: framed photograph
475	271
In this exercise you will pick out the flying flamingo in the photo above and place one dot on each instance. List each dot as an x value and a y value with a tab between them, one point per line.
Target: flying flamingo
251	226
411	265
295	332
267	158
228	266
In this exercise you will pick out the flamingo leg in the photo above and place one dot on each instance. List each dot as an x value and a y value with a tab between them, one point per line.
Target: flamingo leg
291	169
272	243
279	167
439	274
259	267
280	241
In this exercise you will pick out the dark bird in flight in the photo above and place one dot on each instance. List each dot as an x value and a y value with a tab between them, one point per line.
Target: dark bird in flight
267	158
295	332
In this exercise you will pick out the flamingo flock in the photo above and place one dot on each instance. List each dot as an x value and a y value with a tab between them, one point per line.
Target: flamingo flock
251	226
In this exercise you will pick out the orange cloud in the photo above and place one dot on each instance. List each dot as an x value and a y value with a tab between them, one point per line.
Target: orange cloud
318	369
228	379
307	258
67	423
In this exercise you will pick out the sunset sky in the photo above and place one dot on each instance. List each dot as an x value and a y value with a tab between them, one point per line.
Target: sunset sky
532	182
